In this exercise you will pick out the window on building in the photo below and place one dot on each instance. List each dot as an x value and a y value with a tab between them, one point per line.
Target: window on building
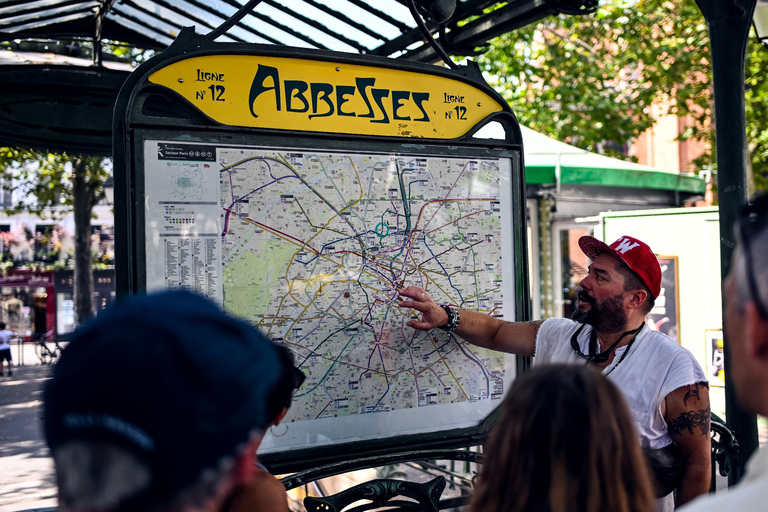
103	242
45	243
6	192
5	238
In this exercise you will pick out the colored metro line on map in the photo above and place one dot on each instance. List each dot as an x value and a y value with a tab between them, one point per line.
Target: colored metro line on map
315	246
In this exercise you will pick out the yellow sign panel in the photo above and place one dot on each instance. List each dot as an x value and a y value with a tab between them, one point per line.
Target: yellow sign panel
309	95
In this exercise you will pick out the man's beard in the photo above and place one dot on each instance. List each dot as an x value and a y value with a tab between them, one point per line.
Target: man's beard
608	316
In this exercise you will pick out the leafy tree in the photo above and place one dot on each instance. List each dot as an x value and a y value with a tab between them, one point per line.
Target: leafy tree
124	52
593	80
756	101
53	181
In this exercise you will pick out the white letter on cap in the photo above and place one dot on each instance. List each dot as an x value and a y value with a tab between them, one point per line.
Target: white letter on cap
625	245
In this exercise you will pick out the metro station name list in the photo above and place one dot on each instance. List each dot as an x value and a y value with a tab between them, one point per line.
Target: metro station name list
192	263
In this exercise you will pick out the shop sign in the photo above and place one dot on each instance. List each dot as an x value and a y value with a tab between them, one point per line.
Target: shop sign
27	279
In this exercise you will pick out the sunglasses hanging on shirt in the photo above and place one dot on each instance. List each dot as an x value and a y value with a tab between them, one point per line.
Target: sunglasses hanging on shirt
594	356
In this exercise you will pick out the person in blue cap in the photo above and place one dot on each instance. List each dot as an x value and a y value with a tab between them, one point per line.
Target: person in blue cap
157	404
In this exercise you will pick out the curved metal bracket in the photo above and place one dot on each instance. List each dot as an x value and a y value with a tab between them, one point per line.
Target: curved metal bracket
725	448
310	475
381	493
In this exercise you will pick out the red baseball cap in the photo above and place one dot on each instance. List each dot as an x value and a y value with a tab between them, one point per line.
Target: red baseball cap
634	253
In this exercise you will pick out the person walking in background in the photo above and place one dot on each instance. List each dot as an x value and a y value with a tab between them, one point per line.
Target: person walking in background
746	330
664	385
5	349
159	404
565	442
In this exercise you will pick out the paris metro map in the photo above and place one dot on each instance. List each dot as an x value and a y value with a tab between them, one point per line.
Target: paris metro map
312	246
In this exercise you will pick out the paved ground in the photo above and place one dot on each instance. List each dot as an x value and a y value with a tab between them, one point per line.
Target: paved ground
27	480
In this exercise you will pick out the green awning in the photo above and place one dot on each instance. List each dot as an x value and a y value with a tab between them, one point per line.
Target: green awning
614	177
544	156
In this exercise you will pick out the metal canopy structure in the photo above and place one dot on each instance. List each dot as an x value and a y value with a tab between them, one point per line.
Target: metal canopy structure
371	27
43	93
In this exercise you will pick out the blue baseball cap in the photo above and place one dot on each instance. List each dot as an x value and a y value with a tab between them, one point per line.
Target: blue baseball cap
168	376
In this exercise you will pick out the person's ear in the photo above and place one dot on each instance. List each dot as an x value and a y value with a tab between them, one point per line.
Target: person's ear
280	416
638	298
756	334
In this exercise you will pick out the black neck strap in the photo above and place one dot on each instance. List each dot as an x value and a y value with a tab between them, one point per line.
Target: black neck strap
594	356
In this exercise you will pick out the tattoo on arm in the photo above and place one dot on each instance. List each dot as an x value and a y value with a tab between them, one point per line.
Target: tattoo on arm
693	393
689	421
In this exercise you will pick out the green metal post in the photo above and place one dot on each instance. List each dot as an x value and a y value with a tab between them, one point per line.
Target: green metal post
729	22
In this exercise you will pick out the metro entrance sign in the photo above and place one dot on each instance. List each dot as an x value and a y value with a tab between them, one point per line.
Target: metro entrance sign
300	190
333	97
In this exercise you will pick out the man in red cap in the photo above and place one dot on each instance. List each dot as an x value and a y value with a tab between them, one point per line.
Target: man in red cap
664	385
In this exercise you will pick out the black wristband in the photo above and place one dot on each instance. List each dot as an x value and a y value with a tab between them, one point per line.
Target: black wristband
453	318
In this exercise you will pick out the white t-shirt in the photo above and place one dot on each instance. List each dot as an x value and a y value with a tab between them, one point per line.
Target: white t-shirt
5	335
654	367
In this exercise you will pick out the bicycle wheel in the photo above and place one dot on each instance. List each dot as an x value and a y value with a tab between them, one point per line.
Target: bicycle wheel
43	353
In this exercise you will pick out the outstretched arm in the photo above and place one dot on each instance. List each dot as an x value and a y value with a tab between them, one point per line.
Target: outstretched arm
476	328
688	419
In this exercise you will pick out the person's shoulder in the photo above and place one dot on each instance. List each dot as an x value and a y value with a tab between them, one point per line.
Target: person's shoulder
262	492
271	493
550	335
743	498
555	327
559	323
658	336
666	345
678	364
706	503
